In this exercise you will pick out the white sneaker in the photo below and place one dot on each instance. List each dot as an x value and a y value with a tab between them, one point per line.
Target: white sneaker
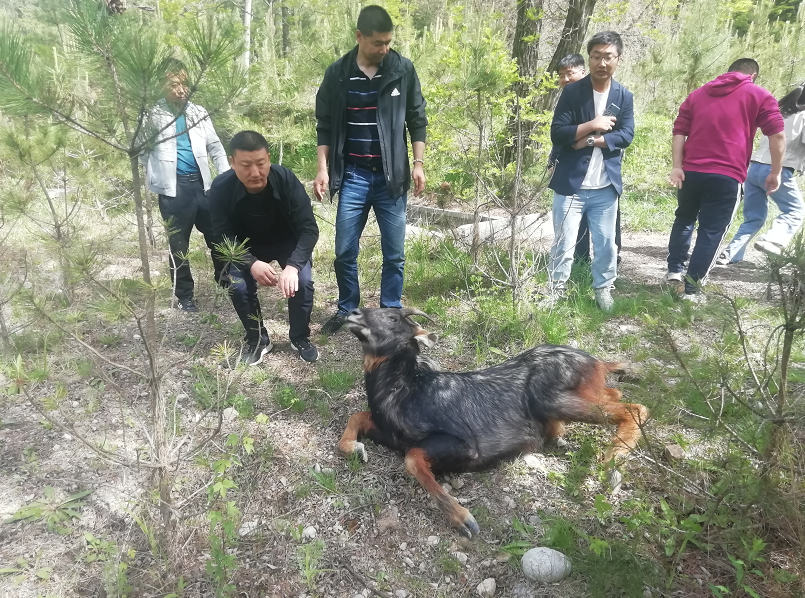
604	299
695	298
675	277
723	259
769	247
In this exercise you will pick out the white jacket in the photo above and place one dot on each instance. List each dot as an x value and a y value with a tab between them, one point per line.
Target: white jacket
160	161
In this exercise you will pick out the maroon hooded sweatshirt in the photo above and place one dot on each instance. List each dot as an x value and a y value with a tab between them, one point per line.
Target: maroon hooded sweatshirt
720	120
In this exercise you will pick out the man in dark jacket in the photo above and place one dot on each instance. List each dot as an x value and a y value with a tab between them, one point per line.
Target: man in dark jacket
366	101
264	208
592	124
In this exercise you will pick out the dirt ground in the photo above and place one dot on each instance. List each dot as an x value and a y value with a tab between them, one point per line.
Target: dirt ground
379	529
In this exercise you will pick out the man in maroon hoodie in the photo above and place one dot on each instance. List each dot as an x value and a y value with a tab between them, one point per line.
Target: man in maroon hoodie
712	144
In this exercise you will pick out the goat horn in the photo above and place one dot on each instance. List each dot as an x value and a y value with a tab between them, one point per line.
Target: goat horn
409	311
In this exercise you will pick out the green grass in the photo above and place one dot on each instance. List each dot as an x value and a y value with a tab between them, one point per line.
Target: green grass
336	381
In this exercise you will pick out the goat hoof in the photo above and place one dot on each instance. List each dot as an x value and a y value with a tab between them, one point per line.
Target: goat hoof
615	479
361	450
469	527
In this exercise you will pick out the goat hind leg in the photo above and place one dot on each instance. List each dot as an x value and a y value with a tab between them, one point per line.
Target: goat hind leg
418	464
629	419
359	424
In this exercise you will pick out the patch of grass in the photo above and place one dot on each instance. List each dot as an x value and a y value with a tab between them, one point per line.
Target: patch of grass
188	340
336	382
109	339
287	397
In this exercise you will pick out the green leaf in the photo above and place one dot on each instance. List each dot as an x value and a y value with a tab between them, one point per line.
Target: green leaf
8	570
77	496
44	573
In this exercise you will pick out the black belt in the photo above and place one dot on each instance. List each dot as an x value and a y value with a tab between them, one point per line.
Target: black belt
788	168
189	178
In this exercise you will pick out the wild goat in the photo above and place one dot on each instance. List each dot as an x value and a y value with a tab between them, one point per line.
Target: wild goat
453	422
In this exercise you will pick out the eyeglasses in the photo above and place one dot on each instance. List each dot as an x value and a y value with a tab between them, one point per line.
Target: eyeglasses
604	59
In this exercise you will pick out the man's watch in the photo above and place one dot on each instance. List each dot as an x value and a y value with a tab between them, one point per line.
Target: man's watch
591	141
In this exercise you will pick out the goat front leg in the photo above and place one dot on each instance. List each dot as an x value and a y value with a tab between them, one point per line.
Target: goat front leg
418	464
359	425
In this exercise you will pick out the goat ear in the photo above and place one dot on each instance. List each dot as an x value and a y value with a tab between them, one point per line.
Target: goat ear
426	339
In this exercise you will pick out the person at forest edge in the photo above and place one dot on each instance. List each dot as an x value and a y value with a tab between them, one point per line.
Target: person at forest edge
367	99
788	197
712	145
178	171
571	69
587	177
265	208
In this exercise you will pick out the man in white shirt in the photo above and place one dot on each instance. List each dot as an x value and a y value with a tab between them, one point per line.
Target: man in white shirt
592	124
178	170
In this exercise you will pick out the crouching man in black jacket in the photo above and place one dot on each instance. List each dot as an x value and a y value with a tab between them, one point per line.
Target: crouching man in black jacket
265	207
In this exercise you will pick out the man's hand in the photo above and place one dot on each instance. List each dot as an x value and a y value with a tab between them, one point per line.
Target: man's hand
289	281
603	124
772	183
321	184
264	274
676	177
418	174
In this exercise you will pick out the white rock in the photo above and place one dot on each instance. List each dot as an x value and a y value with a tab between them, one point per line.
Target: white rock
136	337
509	502
457	483
400	594
230	413
75	403
461	557
545	565
447	488
247	528
533	462
408	562
317	468
309	533
182	396
67	437
404	546
486	589
433	540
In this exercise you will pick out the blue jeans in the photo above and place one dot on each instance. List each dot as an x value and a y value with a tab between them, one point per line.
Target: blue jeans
601	208
361	190
756	208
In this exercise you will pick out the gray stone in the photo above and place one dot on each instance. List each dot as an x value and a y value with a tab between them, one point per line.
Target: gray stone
461	557
457	483
533	462
247	527
674	452
433	540
486	589
400	594
545	565
230	413
309	533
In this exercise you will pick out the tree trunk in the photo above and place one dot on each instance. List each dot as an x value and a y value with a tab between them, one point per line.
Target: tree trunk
573	34
150	320
247	33
286	30
525	51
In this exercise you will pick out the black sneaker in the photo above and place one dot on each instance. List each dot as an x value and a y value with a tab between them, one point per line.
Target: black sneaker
307	351
187	305
253	354
334	324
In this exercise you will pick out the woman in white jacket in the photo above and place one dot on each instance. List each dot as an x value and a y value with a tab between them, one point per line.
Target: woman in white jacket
788	197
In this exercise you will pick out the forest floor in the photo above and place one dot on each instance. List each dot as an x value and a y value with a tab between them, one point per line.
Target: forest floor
353	531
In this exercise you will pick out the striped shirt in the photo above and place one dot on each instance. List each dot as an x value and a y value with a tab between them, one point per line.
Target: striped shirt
362	146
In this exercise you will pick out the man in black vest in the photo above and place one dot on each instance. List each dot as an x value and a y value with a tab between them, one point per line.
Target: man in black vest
266	208
367	100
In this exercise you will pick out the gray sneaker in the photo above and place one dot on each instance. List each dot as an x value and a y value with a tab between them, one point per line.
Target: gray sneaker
307	351
768	247
253	353
603	297
334	324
